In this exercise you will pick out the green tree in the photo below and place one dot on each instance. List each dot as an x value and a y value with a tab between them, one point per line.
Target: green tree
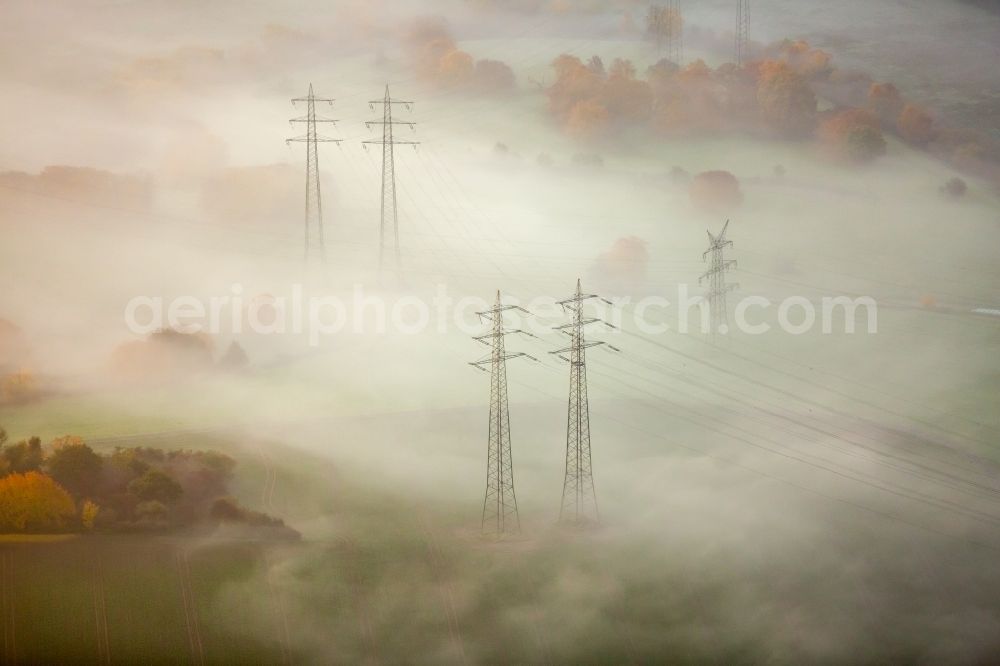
76	467
155	486
25	456
864	143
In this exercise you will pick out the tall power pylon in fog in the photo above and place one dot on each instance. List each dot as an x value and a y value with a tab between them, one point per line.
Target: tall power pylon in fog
500	506
666	23
675	40
388	170
314	199
716	276
579	499
742	35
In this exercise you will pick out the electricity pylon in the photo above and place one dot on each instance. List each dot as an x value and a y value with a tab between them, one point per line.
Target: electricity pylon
667	25
388	170
314	197
716	276
742	34
579	500
500	506
675	33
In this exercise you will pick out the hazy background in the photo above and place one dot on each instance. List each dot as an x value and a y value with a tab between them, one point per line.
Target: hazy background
771	498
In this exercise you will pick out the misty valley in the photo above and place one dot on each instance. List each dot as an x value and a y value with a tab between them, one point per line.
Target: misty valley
475	332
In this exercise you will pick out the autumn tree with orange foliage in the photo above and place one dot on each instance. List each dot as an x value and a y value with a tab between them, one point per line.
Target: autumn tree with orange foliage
625	97
853	134
438	59
588	119
18	387
787	103
715	191
575	83
623	266
455	68
33	502
885	102
810	63
916	125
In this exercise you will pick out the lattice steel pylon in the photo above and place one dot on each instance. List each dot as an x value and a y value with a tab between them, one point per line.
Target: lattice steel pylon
742	35
666	23
500	516
716	276
388	207
675	40
579	498
314	196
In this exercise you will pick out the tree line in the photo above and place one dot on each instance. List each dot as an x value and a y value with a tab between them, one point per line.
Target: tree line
66	486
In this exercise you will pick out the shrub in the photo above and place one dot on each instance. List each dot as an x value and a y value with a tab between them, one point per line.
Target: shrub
954	188
715	190
916	125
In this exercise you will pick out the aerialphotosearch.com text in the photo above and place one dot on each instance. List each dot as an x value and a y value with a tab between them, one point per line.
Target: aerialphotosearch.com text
362	311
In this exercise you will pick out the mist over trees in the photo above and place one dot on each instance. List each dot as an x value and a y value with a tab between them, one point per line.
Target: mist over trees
67	486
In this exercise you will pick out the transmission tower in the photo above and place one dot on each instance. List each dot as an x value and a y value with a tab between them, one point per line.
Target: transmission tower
500	506
667	25
579	500
675	31
388	170
742	35
314	198
716	276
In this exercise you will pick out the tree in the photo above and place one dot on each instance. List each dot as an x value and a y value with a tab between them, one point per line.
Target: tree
66	440
853	134
624	265
588	119
18	387
786	101
494	76
574	83
954	188
623	95
155	486
88	514
885	102
25	456
33	502
916	125
234	357
455	68
152	514
715	190
864	143
76	467
596	65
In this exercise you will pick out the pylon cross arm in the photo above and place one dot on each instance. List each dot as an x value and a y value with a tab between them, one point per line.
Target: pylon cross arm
306	139
582	345
393	142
